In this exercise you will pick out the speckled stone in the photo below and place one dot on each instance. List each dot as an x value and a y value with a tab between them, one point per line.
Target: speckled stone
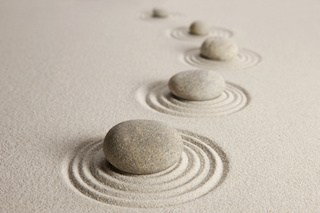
197	85
198	28
160	13
142	146
218	48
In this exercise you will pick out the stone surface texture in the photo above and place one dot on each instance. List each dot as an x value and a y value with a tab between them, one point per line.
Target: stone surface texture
142	146
198	28
218	48
197	85
160	13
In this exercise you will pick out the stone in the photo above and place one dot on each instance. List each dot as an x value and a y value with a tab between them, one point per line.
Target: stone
218	48
198	28
197	85
160	13
142	146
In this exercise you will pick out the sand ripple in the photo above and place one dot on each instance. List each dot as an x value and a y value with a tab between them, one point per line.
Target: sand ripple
202	167
245	59
158	97
182	33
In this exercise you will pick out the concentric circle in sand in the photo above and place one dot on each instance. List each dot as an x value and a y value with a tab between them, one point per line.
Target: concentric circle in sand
245	59
182	33
158	97
202	167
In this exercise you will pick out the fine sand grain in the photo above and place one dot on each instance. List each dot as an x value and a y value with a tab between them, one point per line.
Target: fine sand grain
72	69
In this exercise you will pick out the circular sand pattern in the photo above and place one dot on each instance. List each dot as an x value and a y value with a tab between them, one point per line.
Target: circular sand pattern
182	33
202	167
245	59
148	16
159	98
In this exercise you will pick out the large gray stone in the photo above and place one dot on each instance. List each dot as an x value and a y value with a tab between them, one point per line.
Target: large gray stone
142	146
197	85
218	48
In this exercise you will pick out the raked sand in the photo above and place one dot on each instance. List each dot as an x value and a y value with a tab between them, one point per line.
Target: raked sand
70	70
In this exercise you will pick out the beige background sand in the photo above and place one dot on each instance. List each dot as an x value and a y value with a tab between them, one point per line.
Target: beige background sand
70	70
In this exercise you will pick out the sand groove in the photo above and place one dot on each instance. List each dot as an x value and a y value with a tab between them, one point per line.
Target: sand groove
182	33
159	98
245	59
202	167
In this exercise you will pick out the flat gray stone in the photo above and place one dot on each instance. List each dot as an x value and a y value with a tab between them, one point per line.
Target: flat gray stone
198	28
142	146
218	48
197	85
159	13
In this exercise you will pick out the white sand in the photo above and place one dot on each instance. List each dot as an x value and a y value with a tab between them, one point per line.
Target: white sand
70	70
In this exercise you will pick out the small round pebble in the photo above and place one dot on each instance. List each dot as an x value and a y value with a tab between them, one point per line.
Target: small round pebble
160	13
218	48
142	146
198	28
197	85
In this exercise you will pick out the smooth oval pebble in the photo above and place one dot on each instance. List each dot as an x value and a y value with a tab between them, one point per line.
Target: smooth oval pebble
218	48
142	146
159	13
197	85
198	28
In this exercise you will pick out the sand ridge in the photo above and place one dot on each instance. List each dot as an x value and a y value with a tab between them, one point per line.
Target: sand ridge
202	167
